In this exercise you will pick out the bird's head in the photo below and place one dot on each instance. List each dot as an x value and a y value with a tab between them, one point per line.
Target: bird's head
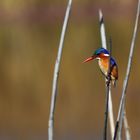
101	52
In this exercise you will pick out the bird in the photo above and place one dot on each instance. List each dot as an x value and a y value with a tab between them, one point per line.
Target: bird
103	57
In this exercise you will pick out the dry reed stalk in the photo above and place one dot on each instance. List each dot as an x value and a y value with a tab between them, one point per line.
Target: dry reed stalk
110	106
118	128
56	73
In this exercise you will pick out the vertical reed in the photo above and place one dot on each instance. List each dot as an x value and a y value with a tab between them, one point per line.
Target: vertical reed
104	45
118	128
56	73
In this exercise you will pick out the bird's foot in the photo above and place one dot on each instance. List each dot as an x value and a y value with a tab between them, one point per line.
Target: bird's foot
108	80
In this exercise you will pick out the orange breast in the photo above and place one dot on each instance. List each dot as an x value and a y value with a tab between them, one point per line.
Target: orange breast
104	63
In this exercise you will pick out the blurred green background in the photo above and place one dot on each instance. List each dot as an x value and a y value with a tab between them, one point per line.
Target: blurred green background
29	37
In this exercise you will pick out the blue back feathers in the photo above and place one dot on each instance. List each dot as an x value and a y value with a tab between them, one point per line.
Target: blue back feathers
112	61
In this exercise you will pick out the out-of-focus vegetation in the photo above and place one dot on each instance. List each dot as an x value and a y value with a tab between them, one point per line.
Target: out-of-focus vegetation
29	38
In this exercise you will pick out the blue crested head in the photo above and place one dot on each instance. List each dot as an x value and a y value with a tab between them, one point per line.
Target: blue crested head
96	54
101	50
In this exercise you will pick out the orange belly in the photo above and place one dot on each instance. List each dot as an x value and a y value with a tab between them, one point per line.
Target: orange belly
103	64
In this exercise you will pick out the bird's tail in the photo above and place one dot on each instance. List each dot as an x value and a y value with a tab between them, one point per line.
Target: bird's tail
114	83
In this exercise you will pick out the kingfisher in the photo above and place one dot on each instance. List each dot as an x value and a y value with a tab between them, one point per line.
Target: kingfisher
103	57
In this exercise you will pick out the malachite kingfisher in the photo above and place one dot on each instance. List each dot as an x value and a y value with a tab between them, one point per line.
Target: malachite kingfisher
102	55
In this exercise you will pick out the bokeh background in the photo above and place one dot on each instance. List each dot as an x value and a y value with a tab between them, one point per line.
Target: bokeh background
29	37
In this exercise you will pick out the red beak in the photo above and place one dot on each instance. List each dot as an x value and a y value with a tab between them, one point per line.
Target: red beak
89	59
